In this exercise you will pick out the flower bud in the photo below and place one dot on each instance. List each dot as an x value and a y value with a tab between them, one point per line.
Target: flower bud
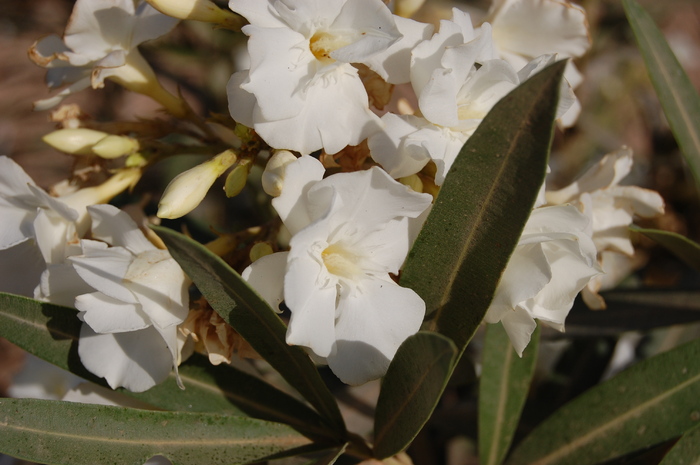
188	188
197	10
236	179
260	250
273	176
115	146
74	141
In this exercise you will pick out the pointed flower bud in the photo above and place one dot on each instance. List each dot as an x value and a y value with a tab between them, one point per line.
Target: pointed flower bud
188	188
273	177
197	10
114	146
77	141
237	178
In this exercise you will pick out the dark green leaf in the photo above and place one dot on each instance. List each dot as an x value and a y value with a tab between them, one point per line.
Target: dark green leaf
682	247
74	434
482	207
411	388
51	332
653	401
687	449
503	387
240	306
677	95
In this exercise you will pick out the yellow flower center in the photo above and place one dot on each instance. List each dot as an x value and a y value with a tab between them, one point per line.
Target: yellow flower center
340	262
322	44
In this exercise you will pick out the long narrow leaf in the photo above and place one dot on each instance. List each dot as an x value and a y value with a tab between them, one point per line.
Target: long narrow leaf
686	451
412	386
74	434
682	247
653	401
503	387
677	95
51	332
482	207
252	318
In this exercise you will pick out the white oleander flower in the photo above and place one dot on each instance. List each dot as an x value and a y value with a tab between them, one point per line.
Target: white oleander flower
613	208
100	42
526	29
555	258
350	231
457	78
36	228
131	297
301	91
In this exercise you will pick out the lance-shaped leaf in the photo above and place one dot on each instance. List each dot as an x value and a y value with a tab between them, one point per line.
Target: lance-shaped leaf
686	451
241	307
74	434
411	389
51	332
680	246
655	400
483	205
678	97
503	387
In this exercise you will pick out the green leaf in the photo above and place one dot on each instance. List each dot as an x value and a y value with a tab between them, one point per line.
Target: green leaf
655	400
477	219
503	388
74	434
687	449
51	332
411	388
682	247
239	305
678	97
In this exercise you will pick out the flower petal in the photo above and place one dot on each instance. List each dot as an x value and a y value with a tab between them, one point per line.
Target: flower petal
107	315
266	276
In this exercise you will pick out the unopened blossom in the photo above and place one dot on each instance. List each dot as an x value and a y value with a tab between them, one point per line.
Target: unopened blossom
526	29
555	258
36	228
100	42
350	231
187	190
301	91
457	78
131	296
613	208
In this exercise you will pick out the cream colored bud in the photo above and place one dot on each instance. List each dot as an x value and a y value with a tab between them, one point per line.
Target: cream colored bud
413	181
260	250
273	176
197	10
75	141
237	178
188	188
115	146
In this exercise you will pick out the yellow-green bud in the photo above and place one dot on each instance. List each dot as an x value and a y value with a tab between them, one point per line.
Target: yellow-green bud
135	160
77	141
115	146
197	10
260	250
273	176
188	188
236	179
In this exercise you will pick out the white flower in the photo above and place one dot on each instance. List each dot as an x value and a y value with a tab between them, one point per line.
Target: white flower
612	208
349	232
555	258
36	228
100	42
131	297
458	79
301	91
526	29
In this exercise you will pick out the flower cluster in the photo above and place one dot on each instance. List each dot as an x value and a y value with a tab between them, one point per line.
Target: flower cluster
349	116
